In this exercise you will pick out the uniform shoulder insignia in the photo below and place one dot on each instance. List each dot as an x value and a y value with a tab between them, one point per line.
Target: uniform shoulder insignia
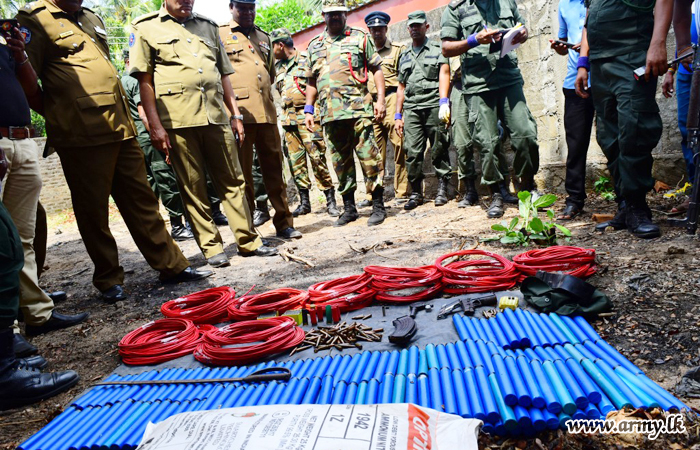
145	17
454	4
31	7
261	30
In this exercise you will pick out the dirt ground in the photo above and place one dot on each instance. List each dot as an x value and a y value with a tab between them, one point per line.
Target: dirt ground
653	284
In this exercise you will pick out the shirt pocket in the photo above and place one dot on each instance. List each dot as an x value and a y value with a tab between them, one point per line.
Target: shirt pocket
168	48
432	70
169	89
68	45
209	46
233	50
97	112
352	54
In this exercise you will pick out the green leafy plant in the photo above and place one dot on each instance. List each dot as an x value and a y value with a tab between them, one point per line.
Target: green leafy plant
603	187
529	227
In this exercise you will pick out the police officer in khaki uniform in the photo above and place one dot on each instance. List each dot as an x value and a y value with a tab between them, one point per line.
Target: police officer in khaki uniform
384	131
88	123
250	52
183	71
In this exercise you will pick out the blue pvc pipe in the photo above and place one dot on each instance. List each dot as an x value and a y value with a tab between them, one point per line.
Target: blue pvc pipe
273	386
373	388
617	357
386	389
563	419
565	399
587	329
549	337
585	351
399	394
443	360
402	368
326	390
506	412
474	354
469	326
480	329
485	395
448	391
431	356
523	339
551	419
380	370
461	394
423	391
533	388
605	406
505	385
453	357
531	355
485	355
476	406
571	324
516	378
499	429
542	354
350	394
592	412
512	339
500	335
652	386
559	336
527	327
413	359
436	397
540	335
580	398
393	363
463	353
488	428
579	415
298	393
612	392
339	392
411	389
591	390
361	371
460	327
552	402
568	333
521	416
484	325
538	422
614	379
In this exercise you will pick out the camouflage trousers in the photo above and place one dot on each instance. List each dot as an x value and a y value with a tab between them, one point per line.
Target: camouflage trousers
301	142
344	136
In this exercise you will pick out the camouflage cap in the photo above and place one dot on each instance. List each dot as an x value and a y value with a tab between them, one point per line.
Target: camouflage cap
334	5
417	17
280	34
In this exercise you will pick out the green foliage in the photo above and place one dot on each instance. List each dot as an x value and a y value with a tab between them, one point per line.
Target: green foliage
293	15
603	187
39	124
528	227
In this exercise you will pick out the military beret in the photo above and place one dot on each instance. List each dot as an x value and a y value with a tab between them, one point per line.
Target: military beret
280	34
377	19
417	17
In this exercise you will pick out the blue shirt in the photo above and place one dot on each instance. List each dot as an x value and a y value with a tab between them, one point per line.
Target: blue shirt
693	37
572	15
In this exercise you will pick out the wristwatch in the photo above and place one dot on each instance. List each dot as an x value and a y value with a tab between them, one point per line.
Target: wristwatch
239	117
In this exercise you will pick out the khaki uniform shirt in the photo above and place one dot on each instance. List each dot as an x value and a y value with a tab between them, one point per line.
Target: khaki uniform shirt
253	71
84	101
187	62
390	66
419	71
483	69
333	61
291	84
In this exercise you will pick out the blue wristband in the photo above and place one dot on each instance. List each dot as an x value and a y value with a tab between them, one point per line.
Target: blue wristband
398	116
444	101
472	42
583	62
309	109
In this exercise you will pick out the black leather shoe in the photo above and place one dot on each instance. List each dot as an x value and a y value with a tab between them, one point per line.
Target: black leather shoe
260	216
220	260
495	209
33	362
639	222
263	250
219	218
181	233
57	296
364	203
57	321
289	233
618	222
441	197
19	387
22	347
114	294
187	275
470	198
414	201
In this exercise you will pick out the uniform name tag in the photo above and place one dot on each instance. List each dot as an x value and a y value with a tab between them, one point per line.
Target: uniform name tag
65	34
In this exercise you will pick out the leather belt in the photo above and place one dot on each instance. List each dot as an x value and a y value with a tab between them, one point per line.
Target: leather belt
16	133
388	91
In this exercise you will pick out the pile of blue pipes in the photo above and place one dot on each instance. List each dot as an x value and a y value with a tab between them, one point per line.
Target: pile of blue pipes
520	373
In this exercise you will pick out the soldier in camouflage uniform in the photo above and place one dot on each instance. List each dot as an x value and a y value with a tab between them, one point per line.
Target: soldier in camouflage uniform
493	87
340	59
291	68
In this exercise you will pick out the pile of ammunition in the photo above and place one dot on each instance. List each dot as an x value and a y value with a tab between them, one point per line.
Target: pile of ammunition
340	336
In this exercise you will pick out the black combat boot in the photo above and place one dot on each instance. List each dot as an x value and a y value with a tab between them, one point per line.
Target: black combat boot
639	222
441	197
495	209
179	231
217	216
416	198
508	196
471	197
261	213
378	211
618	222
304	204
527	184
349	210
331	205
20	385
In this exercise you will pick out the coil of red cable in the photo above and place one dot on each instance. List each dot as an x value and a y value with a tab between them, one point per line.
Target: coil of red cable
207	306
348	293
393	279
576	261
266	336
480	275
159	341
249	307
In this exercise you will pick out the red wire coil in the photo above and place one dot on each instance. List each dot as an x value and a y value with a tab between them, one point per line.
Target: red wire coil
576	261
277	335
208	306
159	341
249	307
389	279
482	275
348	293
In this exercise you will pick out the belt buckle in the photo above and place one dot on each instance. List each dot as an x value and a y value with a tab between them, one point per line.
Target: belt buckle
13	129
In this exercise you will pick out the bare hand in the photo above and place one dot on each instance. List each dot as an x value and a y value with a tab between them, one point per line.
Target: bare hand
581	83
161	141
379	111
521	37
657	61
398	126
667	85
687	61
488	36
577	47
559	48
238	131
309	121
